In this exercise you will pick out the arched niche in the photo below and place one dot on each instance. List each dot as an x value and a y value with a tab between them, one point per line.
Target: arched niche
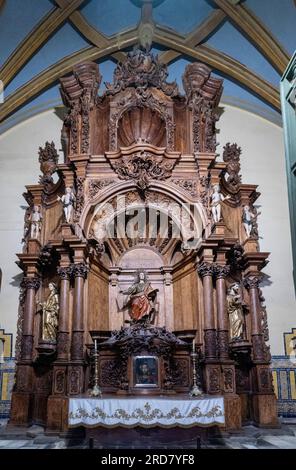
180	221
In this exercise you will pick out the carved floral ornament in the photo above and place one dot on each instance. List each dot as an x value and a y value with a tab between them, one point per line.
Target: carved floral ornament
141	69
143	163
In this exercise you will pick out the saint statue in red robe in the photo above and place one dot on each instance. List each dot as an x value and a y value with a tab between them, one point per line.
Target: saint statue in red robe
141	298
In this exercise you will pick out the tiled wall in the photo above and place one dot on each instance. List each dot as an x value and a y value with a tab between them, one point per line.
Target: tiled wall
6	373
284	380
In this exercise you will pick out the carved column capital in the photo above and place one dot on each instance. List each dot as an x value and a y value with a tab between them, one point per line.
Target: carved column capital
252	282
205	269
79	270
221	272
65	272
30	283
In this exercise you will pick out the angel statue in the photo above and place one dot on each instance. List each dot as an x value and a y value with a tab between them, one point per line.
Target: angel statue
235	312
249	219
216	199
68	200
50	309
140	299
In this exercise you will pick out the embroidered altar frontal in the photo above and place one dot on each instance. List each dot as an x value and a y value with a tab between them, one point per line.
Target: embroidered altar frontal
130	412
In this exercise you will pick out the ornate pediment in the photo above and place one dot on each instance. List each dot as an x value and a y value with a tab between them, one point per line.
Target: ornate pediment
142	163
141	69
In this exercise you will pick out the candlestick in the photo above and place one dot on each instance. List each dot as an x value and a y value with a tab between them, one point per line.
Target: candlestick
195	390
96	391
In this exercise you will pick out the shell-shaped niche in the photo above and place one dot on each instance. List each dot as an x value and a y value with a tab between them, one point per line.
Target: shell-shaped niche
141	125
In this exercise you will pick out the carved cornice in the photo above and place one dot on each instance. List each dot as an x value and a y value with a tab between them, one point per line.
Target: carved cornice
206	269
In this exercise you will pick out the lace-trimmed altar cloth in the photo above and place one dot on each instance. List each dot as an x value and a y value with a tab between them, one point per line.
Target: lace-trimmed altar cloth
143	411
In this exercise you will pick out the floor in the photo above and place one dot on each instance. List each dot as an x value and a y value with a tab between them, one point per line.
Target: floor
250	437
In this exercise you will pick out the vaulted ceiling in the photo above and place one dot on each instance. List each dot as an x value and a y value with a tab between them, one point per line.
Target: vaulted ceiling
248	43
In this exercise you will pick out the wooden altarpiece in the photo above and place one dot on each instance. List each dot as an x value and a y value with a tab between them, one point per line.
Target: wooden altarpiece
141	147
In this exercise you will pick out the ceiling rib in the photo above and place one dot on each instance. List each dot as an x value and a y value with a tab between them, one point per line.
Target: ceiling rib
228	66
34	40
198	35
245	20
50	75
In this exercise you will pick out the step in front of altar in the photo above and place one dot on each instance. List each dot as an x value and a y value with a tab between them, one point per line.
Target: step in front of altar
146	412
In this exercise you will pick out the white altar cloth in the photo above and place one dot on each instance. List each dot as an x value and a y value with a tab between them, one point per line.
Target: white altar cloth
146	411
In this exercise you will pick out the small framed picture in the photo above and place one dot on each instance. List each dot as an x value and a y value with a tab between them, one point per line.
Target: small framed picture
145	372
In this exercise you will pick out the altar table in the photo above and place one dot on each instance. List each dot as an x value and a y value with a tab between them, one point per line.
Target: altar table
146	411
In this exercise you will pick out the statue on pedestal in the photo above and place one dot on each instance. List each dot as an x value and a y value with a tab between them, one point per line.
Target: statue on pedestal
216	199
235	312
35	222
141	299
68	200
249	219
50	309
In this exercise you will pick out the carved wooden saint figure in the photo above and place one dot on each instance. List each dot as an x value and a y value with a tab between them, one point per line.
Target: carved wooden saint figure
35	222
50	310
141	298
217	198
68	200
235	312
249	219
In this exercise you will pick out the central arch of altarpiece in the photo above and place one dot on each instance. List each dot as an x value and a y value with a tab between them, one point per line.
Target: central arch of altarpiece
141	164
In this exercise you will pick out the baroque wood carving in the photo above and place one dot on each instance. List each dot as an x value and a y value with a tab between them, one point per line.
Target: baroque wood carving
143	151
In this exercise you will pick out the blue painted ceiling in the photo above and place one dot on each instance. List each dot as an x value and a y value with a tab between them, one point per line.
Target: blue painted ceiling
110	17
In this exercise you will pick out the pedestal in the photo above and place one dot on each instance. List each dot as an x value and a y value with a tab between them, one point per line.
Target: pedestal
57	414
233	420
21	405
265	410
